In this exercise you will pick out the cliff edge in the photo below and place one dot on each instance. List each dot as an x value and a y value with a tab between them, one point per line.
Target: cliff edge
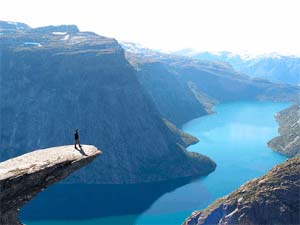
270	199
23	177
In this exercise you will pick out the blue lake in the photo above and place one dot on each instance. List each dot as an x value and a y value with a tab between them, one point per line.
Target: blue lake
235	137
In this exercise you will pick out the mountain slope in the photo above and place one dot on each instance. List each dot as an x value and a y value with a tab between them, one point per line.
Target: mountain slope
270	199
173	99
56	78
184	88
288	143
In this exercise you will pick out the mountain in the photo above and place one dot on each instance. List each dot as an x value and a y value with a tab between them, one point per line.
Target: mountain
23	177
7	27
274	67
184	88
56	78
288	142
270	199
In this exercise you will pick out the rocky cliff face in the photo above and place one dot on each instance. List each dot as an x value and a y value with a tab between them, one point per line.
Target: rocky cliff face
56	78
192	86
23	177
183	138
270	199
288	143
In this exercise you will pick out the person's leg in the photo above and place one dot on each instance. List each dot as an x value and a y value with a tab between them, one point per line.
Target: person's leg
76	142
79	143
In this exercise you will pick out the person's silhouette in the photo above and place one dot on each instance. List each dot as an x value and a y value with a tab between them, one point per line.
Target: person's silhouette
76	137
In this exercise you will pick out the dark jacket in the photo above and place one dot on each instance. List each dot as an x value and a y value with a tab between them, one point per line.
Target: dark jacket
76	135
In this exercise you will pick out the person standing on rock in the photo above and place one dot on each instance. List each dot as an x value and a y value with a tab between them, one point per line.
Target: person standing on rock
76	137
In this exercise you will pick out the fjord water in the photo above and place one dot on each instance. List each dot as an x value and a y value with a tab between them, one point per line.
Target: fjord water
235	137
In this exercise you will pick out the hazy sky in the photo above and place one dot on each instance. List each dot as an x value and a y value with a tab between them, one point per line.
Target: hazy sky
256	26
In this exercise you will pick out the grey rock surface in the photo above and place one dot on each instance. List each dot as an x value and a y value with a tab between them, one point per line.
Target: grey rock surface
23	177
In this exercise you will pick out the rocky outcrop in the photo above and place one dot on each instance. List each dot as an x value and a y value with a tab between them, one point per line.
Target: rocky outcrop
288	142
183	138
270	199
23	177
56	78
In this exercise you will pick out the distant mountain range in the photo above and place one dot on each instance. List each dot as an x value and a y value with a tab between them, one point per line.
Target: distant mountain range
274	67
183	88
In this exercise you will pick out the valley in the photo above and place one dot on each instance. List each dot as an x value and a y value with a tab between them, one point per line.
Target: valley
235	137
176	131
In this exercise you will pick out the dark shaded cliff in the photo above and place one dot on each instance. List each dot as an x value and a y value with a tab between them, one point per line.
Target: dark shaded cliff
288	142
184	88
23	177
270	199
172	97
55	79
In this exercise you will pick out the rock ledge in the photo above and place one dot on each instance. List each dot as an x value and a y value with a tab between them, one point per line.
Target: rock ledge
23	177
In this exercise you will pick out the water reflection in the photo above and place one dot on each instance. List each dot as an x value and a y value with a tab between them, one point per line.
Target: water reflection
85	201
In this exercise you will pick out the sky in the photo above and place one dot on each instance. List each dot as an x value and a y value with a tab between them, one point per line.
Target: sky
253	26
